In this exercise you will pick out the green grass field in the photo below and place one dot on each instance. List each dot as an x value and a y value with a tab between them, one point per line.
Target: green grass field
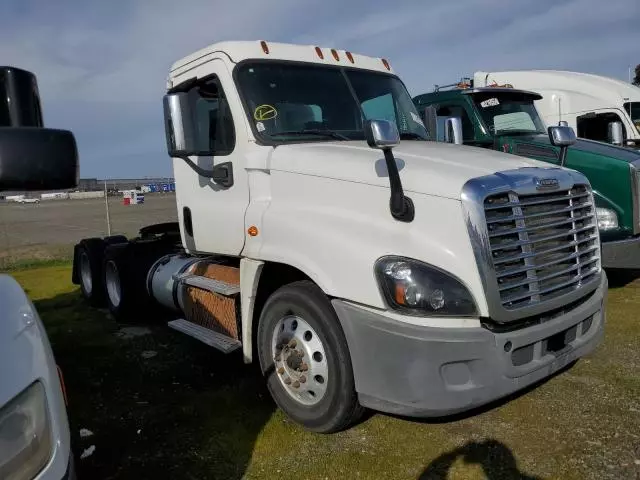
161	405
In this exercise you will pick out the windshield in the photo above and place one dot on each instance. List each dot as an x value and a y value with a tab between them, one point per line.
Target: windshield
304	102
633	109
510	114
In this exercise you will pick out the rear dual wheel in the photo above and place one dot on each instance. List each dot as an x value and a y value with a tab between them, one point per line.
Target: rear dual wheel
89	257
305	358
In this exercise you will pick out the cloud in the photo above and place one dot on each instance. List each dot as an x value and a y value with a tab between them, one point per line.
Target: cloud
102	67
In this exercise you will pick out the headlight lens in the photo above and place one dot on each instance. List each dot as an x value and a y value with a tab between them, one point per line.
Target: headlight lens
607	218
25	435
416	288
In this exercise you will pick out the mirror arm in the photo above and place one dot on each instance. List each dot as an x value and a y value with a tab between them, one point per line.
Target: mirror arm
401	206
221	174
563	155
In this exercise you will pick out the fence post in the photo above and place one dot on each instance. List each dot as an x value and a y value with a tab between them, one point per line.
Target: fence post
106	205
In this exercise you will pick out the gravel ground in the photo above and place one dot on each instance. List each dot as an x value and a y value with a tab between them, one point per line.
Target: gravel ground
50	229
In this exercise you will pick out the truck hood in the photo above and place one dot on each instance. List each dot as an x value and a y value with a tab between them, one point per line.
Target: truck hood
625	154
430	168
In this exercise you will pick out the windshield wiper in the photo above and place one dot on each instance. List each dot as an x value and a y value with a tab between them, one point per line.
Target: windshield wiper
411	136
324	133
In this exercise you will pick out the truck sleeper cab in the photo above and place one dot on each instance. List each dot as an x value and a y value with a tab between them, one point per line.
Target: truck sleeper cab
360	265
506	119
590	104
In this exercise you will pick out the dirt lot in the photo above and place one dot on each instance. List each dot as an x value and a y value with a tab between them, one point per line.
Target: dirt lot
161	405
48	230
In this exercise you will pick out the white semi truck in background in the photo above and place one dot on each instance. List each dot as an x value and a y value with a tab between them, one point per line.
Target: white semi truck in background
596	107
359	264
35	442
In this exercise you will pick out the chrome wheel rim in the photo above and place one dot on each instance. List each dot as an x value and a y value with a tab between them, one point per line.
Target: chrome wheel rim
300	360
112	281
85	273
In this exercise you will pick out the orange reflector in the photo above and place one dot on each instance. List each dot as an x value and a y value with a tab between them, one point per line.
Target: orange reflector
350	57
265	47
319	52
400	290
62	386
335	54
386	64
252	231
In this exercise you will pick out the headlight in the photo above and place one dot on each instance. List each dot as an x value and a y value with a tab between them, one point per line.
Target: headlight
607	219
419	289
25	435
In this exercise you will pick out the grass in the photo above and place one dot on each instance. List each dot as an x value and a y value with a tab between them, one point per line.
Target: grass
190	412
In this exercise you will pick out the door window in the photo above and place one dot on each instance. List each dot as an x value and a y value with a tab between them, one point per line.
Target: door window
595	126
213	120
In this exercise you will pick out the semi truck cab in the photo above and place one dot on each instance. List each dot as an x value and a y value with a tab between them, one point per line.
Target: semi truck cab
598	108
358	264
506	119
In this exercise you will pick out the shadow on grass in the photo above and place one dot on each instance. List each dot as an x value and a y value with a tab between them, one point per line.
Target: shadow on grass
160	404
620	278
495	458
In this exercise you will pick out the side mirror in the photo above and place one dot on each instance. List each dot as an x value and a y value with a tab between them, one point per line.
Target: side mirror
381	134
615	133
431	121
179	127
562	136
453	130
33	158
384	135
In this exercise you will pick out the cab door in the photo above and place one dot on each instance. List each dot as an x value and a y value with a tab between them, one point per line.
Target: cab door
211	214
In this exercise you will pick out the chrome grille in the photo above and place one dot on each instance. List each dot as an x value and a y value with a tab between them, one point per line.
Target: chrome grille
543	245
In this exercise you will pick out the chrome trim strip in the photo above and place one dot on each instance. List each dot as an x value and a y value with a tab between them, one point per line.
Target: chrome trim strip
518	182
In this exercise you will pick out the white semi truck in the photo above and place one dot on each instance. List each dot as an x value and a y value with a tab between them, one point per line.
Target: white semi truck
359	264
596	107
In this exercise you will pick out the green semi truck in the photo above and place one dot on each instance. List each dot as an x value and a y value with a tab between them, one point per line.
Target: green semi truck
506	119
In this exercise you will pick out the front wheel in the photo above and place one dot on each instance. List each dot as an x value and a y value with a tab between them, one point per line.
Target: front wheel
305	359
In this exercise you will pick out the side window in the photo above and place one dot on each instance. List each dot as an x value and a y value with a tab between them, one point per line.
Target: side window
444	111
596	126
214	123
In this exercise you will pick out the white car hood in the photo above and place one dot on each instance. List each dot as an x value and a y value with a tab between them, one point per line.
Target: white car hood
430	168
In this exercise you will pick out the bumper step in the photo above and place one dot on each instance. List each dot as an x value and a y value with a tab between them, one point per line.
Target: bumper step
213	339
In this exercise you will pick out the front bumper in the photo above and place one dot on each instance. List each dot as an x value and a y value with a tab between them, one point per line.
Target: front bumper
430	372
621	254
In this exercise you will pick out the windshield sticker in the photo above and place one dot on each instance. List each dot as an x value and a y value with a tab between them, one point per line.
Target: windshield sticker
416	119
490	102
265	112
260	126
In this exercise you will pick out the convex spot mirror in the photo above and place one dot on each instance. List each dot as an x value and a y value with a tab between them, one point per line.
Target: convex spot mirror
33	158
381	134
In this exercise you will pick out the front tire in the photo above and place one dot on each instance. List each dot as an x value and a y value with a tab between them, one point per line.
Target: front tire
305	359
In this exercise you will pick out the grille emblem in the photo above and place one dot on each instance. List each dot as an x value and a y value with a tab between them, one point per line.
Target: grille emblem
546	183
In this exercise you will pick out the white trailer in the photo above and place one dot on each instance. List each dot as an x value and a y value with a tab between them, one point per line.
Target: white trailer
588	103
359	264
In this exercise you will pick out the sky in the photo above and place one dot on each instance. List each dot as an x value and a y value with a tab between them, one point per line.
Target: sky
102	66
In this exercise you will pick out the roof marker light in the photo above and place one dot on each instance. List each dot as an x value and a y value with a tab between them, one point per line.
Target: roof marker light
319	52
265	47
335	54
350	57
386	64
